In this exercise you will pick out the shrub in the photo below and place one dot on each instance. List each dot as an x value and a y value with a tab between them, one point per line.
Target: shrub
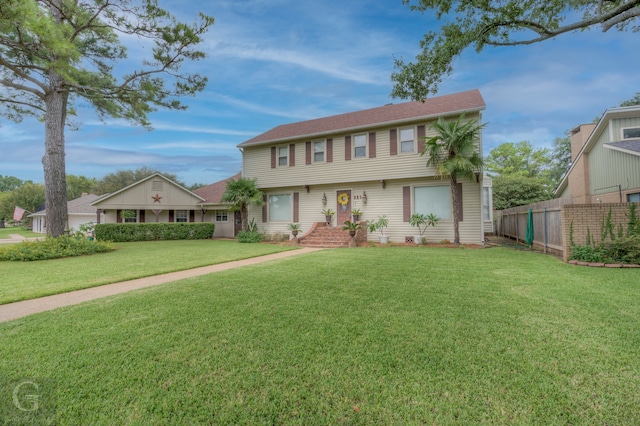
249	237
121	232
588	253
621	250
625	249
53	248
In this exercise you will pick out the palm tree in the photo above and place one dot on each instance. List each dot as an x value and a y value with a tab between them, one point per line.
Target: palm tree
454	153
240	194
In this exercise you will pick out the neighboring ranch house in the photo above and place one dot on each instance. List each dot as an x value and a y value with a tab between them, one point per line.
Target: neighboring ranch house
80	212
605	159
368	160
159	199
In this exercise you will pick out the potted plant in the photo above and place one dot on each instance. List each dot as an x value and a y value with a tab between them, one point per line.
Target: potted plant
379	225
294	228
352	227
419	220
328	213
356	213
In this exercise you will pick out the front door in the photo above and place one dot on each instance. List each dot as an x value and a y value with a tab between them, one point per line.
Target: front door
343	206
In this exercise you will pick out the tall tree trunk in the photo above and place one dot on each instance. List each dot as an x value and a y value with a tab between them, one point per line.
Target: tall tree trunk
53	161
456	217
244	216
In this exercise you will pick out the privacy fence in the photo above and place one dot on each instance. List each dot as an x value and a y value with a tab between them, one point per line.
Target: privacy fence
554	220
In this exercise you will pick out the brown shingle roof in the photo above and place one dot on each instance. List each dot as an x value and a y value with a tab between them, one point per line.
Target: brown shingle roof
441	105
213	193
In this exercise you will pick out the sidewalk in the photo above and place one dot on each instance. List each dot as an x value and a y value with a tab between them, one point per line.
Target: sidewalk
16	310
15	238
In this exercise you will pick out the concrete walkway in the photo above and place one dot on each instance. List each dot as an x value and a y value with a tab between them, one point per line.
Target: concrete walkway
16	238
16	310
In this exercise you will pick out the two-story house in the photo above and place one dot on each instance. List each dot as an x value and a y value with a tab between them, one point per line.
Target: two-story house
605	159
368	160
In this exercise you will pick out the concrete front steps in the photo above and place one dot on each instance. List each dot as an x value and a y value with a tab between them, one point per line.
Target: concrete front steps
321	235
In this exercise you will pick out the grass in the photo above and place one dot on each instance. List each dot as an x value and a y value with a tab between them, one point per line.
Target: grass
354	336
4	232
28	280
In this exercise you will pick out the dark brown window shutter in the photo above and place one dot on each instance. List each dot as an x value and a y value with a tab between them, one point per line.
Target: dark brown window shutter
264	208
420	139
296	203
292	155
273	157
192	215
393	142
307	154
459	197
119	216
141	216
347	148
171	217
406	203
372	145
329	150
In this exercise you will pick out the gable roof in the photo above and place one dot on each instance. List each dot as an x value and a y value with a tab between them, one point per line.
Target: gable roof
107	196
603	123
212	194
80	205
392	113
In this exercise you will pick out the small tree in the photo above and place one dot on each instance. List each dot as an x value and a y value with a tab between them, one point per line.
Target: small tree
454	153
240	194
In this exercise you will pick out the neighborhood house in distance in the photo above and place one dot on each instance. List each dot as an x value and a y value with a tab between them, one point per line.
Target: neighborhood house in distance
605	159
368	160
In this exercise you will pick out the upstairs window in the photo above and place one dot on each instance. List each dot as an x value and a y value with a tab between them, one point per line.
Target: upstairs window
318	151
631	133
283	156
407	140
360	146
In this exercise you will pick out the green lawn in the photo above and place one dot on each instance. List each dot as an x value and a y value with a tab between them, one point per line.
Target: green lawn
348	336
27	280
4	232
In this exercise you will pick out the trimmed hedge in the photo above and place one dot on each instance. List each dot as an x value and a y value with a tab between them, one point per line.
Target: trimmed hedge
121	232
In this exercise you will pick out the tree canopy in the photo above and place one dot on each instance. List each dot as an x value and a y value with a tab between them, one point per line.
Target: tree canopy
520	158
29	196
56	54
482	23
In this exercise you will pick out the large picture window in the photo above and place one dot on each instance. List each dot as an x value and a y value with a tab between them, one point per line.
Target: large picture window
433	199
360	146
280	208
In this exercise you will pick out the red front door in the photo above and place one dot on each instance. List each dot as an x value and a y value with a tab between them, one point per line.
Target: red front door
343	206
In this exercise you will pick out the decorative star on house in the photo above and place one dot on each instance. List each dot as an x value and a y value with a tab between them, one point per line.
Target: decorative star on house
156	198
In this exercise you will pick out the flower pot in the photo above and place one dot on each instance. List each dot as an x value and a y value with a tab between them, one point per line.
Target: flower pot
384	239
327	220
418	239
295	233
352	233
356	217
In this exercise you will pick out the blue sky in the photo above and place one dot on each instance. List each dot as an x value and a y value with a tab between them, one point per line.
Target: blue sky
272	62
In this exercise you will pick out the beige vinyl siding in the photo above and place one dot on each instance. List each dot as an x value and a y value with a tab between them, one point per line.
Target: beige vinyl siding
257	163
380	201
609	168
